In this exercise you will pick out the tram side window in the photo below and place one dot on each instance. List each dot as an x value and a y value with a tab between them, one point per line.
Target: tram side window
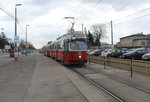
65	46
60	46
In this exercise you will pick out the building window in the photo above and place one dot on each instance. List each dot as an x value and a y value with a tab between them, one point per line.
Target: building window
143	43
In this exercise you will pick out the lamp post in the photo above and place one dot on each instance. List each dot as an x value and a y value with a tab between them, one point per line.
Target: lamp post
16	20
26	33
26	39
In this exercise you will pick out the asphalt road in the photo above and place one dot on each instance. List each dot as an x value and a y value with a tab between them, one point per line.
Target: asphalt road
15	77
36	78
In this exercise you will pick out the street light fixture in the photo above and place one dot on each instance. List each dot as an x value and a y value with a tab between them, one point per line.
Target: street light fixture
72	22
16	20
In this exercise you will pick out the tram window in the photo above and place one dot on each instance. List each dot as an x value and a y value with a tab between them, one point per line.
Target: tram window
77	45
66	46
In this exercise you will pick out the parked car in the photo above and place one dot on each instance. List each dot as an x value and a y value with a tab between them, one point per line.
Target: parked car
98	53
106	53
146	56
135	53
90	50
23	52
93	51
118	52
12	53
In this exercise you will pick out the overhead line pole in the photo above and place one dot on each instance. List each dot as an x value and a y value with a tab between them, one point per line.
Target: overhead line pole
16	20
82	28
111	33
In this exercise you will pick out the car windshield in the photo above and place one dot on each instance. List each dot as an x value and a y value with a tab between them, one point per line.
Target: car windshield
77	45
134	50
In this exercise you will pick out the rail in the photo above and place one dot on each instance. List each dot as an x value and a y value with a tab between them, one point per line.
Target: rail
127	64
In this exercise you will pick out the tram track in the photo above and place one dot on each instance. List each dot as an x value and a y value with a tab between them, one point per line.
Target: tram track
110	92
124	82
98	85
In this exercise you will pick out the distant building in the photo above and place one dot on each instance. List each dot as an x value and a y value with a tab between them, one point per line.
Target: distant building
134	41
104	45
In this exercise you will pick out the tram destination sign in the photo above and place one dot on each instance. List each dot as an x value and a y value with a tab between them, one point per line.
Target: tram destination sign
79	36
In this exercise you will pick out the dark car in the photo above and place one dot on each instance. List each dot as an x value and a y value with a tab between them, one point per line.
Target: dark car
118	52
135	54
11	53
98	53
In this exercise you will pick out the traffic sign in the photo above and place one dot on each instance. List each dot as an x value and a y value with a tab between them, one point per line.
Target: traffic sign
16	39
27	45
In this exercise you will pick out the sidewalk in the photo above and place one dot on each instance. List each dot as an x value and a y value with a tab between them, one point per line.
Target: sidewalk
51	82
4	55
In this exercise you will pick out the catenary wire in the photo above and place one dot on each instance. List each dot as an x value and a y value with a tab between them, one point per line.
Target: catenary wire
132	14
133	19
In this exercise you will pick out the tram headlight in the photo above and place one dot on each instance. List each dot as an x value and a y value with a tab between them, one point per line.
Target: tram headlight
80	56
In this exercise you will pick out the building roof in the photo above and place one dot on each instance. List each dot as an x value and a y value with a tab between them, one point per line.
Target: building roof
138	34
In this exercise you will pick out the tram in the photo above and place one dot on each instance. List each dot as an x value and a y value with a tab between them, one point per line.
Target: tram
70	48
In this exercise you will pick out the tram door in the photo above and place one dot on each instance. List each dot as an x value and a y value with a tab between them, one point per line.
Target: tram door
66	51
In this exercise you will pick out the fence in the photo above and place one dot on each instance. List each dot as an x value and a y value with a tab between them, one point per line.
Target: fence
127	64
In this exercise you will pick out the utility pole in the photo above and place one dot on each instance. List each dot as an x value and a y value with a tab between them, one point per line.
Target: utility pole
82	28
85	31
16	20
111	34
27	45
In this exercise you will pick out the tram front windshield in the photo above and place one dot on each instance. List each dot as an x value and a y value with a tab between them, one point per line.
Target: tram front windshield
77	45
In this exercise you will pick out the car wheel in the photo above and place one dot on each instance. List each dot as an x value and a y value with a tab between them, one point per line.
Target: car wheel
108	55
133	58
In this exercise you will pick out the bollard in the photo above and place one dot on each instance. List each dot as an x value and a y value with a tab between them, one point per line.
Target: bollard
146	68
104	62
131	68
89	60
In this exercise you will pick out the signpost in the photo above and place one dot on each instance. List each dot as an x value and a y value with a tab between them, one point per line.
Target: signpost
16	39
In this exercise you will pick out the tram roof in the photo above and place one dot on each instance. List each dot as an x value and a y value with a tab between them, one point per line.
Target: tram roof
70	34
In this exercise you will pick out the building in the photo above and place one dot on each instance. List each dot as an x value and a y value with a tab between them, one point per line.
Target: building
135	41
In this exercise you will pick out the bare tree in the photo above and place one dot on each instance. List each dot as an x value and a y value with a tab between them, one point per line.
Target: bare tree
98	32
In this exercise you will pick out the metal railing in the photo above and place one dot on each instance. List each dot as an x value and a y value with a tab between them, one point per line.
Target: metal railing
126	64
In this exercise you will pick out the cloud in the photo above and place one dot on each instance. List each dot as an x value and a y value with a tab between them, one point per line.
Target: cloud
46	18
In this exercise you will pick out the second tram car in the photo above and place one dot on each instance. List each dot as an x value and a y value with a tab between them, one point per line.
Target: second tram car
70	48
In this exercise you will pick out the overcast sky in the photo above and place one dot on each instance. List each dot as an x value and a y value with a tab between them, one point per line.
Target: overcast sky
46	17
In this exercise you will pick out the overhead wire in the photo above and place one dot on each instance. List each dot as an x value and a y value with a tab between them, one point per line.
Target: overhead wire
7	13
99	1
118	4
133	14
87	11
133	19
115	5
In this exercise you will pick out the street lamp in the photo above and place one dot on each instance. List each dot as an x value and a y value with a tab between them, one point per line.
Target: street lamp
26	40
72	22
26	32
16	20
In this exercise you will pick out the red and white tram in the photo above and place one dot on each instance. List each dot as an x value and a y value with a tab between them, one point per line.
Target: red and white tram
69	48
